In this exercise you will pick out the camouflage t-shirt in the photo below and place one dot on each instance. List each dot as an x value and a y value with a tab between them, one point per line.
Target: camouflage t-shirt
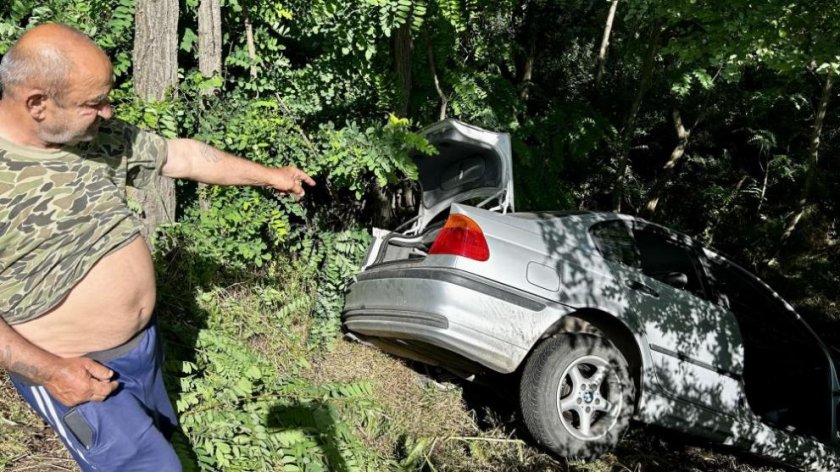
62	211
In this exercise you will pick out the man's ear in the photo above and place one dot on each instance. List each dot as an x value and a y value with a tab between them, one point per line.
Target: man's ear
36	103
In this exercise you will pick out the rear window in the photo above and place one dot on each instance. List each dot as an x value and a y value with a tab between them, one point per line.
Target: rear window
614	241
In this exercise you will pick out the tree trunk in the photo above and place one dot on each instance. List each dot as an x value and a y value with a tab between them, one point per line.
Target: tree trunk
433	69
155	48
155	60
763	194
249	41
209	39
528	70
209	59
806	203
403	48
816	133
526	48
605	41
677	155
630	122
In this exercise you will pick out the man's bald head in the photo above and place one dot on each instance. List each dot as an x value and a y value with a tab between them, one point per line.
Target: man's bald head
47	57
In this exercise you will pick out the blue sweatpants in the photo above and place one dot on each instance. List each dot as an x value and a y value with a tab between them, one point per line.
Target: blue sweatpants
130	430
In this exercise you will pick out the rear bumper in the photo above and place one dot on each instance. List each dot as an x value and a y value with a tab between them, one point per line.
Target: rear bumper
455	311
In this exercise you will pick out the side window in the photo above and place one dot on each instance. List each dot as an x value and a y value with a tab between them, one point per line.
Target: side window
748	299
669	262
615	242
734	293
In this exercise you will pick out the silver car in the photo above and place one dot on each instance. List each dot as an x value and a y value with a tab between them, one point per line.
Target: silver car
607	318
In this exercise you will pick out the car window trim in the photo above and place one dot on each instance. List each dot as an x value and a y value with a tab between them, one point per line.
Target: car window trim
682	242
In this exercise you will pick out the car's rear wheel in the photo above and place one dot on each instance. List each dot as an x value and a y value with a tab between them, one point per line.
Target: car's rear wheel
577	396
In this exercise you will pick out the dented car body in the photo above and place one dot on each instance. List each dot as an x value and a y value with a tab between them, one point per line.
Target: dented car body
606	317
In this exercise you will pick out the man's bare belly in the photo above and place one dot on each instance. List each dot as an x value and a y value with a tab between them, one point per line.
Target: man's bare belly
105	309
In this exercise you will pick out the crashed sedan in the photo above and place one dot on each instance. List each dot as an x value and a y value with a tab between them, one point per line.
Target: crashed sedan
605	318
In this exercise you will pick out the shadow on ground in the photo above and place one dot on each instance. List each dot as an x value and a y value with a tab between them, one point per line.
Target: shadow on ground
493	401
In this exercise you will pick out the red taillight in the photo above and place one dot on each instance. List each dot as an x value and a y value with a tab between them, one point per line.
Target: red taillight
461	236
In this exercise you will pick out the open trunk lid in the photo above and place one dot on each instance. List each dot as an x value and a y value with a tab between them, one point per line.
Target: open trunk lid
471	163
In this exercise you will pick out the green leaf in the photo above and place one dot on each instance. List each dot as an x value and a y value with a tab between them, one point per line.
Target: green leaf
188	40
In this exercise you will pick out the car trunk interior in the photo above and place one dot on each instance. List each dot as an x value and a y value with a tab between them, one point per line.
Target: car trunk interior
398	246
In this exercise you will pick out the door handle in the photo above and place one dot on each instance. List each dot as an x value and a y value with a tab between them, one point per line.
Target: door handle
636	285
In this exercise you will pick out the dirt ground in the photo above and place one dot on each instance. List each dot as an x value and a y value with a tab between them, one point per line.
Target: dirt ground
457	414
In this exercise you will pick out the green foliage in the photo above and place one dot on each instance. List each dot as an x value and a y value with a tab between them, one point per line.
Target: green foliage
239	413
109	22
241	226
554	151
334	258
235	362
349	154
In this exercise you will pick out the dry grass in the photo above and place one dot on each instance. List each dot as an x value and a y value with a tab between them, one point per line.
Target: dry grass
413	405
253	317
26	443
458	438
418	411
646	451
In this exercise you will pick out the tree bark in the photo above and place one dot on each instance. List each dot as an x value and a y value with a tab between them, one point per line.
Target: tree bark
677	155
403	49
806	203
816	133
209	59
209	38
528	70
605	41
155	48
249	41
630	122
444	102
155	60
526	47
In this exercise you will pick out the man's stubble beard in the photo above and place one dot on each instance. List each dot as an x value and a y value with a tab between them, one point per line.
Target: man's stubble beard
64	135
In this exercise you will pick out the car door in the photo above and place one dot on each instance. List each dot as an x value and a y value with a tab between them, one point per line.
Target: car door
695	343
790	379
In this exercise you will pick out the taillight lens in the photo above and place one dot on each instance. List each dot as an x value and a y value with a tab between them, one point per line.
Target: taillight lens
461	236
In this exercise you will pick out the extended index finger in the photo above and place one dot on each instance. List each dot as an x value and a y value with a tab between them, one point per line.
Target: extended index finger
306	178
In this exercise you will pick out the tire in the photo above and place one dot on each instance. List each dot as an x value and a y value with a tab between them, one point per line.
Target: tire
560	407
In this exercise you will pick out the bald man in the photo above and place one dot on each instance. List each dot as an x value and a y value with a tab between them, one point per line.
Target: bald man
77	287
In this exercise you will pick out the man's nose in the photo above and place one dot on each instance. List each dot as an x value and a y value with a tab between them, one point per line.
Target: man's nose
105	111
